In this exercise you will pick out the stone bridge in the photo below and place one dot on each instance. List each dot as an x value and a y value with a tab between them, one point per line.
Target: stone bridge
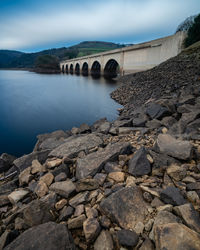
126	60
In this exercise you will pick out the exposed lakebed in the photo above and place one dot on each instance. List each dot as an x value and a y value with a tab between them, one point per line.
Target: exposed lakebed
31	104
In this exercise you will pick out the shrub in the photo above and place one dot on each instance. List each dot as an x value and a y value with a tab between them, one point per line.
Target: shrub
47	62
193	32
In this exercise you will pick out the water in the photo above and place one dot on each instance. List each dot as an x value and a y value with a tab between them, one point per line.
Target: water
31	104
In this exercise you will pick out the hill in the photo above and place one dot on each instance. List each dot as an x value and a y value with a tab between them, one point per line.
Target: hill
16	59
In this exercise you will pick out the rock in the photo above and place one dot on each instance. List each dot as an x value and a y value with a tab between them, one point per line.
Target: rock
91	213
172	196
37	167
76	222
192	196
130	181
63	188
37	212
94	162
148	225
49	236
100	178
91	229
79	210
73	146
60	204
105	222
79	198
176	172
116	176
25	176
147	245
65	213
153	124
189	215
125	207
17	195
163	217
127	238
4	200
157	111
41	189
147	197
4	166
86	184
20	224
167	208
157	202
47	179
193	186
52	163
122	123
139	122
61	177
111	167
50	199
7	237
26	160
176	236
106	238
104	127
63	168
176	148
139	228
139	164
84	128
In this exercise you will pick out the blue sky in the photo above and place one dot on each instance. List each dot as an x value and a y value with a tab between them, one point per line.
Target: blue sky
33	25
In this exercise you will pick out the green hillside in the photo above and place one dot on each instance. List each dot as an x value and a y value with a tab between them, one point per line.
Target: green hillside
16	59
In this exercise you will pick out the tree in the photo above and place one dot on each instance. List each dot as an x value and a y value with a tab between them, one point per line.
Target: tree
47	62
193	32
186	24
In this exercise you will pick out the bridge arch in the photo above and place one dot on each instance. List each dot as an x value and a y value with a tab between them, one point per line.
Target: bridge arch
66	68
85	69
71	69
96	69
63	68
77	68
111	69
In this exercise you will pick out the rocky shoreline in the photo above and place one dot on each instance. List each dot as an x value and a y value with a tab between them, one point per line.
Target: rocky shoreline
129	184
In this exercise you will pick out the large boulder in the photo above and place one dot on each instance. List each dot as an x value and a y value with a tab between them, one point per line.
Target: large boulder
172	195
74	145
175	236
94	162
49	236
125	207
156	111
176	148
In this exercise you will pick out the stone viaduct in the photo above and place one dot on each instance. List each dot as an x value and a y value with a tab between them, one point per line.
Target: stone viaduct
126	60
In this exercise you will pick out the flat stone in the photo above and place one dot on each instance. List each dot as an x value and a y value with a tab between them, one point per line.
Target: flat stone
65	213
60	204
73	146
117	176
53	163
174	147
176	236
50	199
41	189
79	210
79	199
86	185
190	216
61	177
91	229
63	188
172	196
127	238
37	212
26	160
36	167
17	195
25	176
139	164
49	236
125	207
94	162
106	238
47	179
176	172
100	177
76	222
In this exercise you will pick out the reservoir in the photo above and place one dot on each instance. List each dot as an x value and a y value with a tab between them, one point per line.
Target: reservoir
32	104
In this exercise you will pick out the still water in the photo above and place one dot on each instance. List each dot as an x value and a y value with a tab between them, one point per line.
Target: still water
31	104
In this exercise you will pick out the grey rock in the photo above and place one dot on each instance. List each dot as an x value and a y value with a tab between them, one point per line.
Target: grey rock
63	188
8	187
193	186
65	213
86	185
176	236
91	229
100	177
94	162
175	148
153	124
50	199
139	122
147	245
17	195
127	238
106	238
37	212
26	160
63	168
84	128
111	167
125	207
104	127
172	195
74	145
60	177
122	123
139	164
79	199
76	222
189	215
157	111
49	236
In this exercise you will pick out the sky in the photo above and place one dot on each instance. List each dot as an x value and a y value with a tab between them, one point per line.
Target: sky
34	25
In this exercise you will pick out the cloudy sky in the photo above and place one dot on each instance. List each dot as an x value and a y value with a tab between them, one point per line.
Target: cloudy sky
33	25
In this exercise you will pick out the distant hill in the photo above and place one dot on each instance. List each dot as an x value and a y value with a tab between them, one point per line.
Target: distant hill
16	59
